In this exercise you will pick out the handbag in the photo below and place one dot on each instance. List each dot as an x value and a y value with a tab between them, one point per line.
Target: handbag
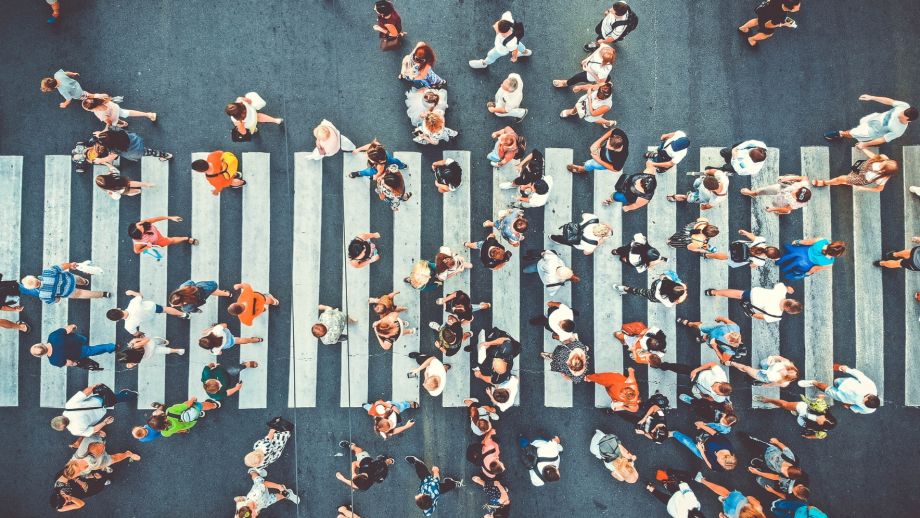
108	397
236	136
89	364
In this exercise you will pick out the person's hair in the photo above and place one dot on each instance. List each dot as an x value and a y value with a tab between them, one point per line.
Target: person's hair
654	344
730	418
567	325
137	233
836	248
710	231
830	422
872	401
59	423
496	253
576	363
383	8
626	465
628	393
115	314
49	83
505	26
253	458
501	395
424	54
513	83
183	295
91	103
432	383
210	341
449	335
57	498
158	422
801	491
729	462
758	154
749	511
376	153
235	309
200	165
803	195
130	355
604	91
319	330
602	230
520	224
235	110
793	307
791	3
620	8
244	512
139	432
654	360
551	473
911	113
31	282
71	469
423	502
711	183
770	251
431	97
722	388
212	386
434	122
616	139
609	51
502	512
795	472
496	467
540	186
484	424
108	182
648	183
38	350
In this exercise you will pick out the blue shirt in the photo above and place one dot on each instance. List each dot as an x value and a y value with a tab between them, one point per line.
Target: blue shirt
733	504
430	486
56	282
719	331
65	346
151	434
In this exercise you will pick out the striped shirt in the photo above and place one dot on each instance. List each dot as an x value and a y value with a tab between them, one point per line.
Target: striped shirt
56	282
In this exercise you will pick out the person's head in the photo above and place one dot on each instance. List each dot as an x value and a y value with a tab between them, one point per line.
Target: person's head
501	395
424	55
608	55
319	330
30	282
60	423
484	425
431	97
654	344
794	472
48	84
721	388
576	363
505	26
72	469
540	186
872	401
620	8
733	339
647	183
758	154
424	502
803	194
235	309
497	254
628	394
434	122
157	422
379	309
92	103
212	386
200	165
729	418
209	341
793	307
605	91
499	366
567	325
511	84
771	252
710	231
383	8
520	225
615	141
235	110
603	230
726	459
626	469
115	314
376	153
496	467
835	249
139	432
184	295
39	350
382	425
749	511
432	383
551	474
245	511
801	491
507	140
254	459
792	5
711	183
910	114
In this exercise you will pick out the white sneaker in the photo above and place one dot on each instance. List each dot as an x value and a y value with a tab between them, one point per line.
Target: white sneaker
506	185
914	189
180	352
620	289
434	325
478	63
806	383
290	495
526	53
482	336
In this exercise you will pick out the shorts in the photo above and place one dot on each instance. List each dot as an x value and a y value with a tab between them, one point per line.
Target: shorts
361	456
912	262
762	27
162	241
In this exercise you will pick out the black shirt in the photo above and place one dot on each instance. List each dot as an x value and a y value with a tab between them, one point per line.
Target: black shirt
626	185
460	306
532	170
615	158
771	11
371	471
489	244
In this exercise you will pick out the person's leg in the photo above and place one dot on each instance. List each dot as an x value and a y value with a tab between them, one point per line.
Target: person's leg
261	117
208	405
368	171
559	239
125	396
247	340
393	160
173	312
93	350
662	496
492	56
581	77
679	368
688	442
715	488
402	406
514	112
642	292
163	155
421	358
727	293
748	25
88	294
593	165
421	470
178	240
448	485
531	267
9	324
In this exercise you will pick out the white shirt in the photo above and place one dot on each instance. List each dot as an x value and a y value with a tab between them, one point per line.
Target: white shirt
742	164
82	421
676	156
585	112
706	379
588	233
548	449
510	100
559	314
436	369
547	268
595	68
500	46
539	200
769	300
511	386
607	25
682	502
140	312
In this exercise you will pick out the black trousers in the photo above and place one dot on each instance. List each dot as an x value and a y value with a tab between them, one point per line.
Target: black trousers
679	368
447	484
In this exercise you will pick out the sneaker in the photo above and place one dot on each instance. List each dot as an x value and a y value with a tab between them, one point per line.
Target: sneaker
914	189
519	119
685	398
478	63
698	477
106	295
877	263
831	136
345	444
216	402
413	355
290	495
434	325
590	47
806	383
411	459
354	174
156	405
506	185
526	53
186	316
181	352
620	289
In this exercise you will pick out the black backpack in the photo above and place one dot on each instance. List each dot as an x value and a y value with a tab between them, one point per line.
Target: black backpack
516	32
739	251
631	22
571	232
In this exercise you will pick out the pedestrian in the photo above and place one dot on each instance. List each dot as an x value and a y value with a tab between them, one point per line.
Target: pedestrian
593	105
559	320
609	153
448	175
388	416
854	391
55	10
245	115
179	418
680	500
795	509
433	129
260	496
450	264
723	337
458	304
110	113
10	292
391	188
534	195
420	101
116	185
642	342
508	99
143	347
541	456
667	290
806	257
221	382
791	193
60	282
639	254
389	25
710	382
771	15
633	191
595	68
586	235
620	461
486	456
495	354
113	143
431	486
510	224
767	304
492	254
250	303
147	237
329	141
66	348
269	448
434	373
751	251
865	175
365	470
218	339
499	501
569	359
671	151
481	416
812	415
379	160
332	326
745	158
71	495
145	433
67	85
774	371
783	476
504	395
84	414
362	251
529	169
734	503
909	258
191	295
878	128
508	34
623	390
709	190
140	312
711	446
508	144
619	20
221	169
552	271
91	456
652	421
417	68
695	236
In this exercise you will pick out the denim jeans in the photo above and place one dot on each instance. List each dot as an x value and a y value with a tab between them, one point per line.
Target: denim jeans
494	53
125	396
402	406
531	267
92	350
372	170
592	165
689	442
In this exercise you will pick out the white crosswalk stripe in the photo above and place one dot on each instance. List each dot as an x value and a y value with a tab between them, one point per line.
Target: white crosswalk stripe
356	354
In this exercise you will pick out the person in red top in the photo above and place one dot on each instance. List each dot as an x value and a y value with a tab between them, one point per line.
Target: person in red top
221	168
250	303
623	390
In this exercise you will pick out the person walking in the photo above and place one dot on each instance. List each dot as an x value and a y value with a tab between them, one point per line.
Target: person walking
221	169
585	236
812	415
559	320
774	371
909	258
709	190
329	141
570	359
783	477
417	68
639	254
676	495
269	448
332	327
459	305
695	236
711	446
147	237
139	312
651	419
481	416
66	348
433	129
854	390
431	485
552	271
507	146
260	496
388	416
250	303
485	454
191	295
362	251
388	26
791	193
633	191
85	413
593	105
108	145
767	304
72	494
617	459
745	158
379	160
67	85
448	175
642	342
221	382
116	185
541	456
623	390
245	115
595	68
510	224
806	257
878	128
144	347
751	251
110	113
450	264
734	503
672	149
91	456
499	501
495	354
667	290
723	337
433	372
866	175
508	35
59	282
609	153
619	20
10	295
508	99
218	339
771	15
179	418
365	470
710	382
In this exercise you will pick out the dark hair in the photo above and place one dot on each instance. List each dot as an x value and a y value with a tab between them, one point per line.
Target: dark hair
115	314
57	498
424	502
113	139
496	468
911	113
648	183
521	142
758	154
836	248
791	3
723	388
551	473
501	395
92	102
540	186
604	91
803	195
356	248
505	26
235	309
616	139
235	110
520	224
184	295
872	401
620	8
210	341
695	513
384	7
376	153
567	325
319	330
795	472
801	491
136	233
794	307
710	231
157	422
200	165
654	344
111	182
770	251
130	355
502	512
448	335
711	183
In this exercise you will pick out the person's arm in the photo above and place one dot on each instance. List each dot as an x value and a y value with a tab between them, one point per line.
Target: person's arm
638	204
855	373
424	365
345	480
400	429
73	503
779	210
700	425
775	492
365	147
887	101
369	235
701	368
102	424
769	476
157	219
236	388
70	328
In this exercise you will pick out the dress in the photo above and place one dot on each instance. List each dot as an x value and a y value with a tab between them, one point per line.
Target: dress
416	105
866	172
799	259
561	354
271	448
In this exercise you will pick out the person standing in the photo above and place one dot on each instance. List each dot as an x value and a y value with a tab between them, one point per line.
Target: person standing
771	15
221	169
559	320
378	160
508	99
752	251
710	382
431	486
140	312
508	34
362	251
783	476
774	371
806	257
620	461
695	236
250	303
642	342
879	128
609	153
585	236
854	390
510	224
59	282
388	416
269	448
112	143
218	339
619	20
389	25
570	359
433	372
711	446
191	295
633	191
507	146
745	158
66	348
767	304
84	413
724	337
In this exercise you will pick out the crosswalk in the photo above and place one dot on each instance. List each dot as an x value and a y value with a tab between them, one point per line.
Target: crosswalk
359	353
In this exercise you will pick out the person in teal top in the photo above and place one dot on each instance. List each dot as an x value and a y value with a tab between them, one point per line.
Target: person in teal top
796	509
804	257
222	382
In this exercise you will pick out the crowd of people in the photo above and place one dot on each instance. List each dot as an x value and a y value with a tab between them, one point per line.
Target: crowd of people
494	351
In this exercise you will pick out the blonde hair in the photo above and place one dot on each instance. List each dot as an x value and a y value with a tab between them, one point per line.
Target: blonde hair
30	282
322	132
602	230
72	469
254	458
432	383
626	469
434	122
38	350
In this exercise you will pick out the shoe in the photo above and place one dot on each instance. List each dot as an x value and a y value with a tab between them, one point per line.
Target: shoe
181	352
156	405
106	294
877	263
685	398
590	47
216	402
468	348
698	477
506	185
345	444
709	292
526	54
519	119
354	174
837	367
620	289
478	63
650	155
53	18
914	189
290	495
411	459
433	325
831	136
411	374
186	316
806	383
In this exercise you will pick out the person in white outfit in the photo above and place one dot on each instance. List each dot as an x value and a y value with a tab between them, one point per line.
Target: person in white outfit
508	98
508	34
420	101
854	391
329	141
879	128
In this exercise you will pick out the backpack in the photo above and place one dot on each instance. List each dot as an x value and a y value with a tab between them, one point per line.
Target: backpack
516	32
631	22
739	251
571	232
609	447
